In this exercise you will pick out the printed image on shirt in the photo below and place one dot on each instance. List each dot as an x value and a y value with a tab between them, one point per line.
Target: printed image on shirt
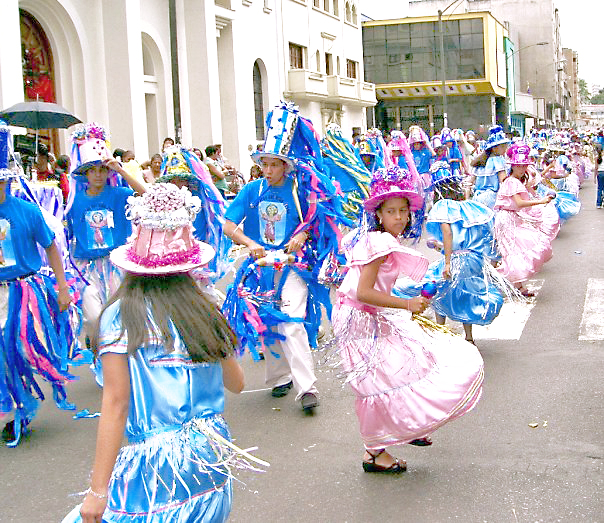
99	230
7	254
272	222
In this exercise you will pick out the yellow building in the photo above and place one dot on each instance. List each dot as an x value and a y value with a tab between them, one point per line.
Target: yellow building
403	58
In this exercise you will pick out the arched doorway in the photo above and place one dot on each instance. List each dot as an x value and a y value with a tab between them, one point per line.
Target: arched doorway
258	101
38	72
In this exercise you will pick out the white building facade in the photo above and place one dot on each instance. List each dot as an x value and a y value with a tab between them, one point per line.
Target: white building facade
114	62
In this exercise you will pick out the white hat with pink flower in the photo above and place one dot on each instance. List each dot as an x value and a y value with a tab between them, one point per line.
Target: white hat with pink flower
162	241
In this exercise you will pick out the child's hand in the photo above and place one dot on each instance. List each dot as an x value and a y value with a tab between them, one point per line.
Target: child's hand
447	271
92	509
64	299
418	304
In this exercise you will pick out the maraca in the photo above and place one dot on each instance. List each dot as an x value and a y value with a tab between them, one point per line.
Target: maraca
429	289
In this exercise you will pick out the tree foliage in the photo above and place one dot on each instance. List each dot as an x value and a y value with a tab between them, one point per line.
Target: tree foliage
584	96
598	98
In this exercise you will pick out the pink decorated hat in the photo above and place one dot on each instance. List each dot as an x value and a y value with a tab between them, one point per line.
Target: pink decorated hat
162	242
394	182
519	154
89	147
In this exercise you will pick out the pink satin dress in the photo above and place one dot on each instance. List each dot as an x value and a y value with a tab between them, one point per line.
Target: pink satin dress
408	381
521	241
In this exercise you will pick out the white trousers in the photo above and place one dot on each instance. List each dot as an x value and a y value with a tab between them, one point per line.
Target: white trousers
291	359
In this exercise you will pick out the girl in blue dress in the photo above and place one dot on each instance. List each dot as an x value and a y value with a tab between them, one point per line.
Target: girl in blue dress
165	356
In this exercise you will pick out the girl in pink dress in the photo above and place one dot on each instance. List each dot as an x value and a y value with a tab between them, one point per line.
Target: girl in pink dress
523	245
408	381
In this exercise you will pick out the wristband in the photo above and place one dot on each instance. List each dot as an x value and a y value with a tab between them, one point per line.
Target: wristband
95	494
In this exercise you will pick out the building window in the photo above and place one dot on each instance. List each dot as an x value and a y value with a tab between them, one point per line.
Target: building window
318	60
328	64
326	5
316	3
351	68
258	103
348	12
296	56
354	14
336	7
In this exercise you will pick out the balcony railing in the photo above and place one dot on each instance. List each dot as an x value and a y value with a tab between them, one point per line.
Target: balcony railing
311	85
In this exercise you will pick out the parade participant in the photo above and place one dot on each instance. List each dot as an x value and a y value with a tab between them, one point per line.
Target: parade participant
407	382
36	336
422	153
96	216
444	182
524	248
599	180
159	333
183	168
490	168
468	287
290	220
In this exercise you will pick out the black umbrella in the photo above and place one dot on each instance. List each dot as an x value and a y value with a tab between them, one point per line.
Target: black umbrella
38	115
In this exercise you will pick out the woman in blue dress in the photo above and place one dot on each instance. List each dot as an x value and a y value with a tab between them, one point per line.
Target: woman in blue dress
165	355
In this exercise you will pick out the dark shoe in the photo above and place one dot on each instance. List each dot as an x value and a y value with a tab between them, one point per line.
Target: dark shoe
527	294
421	442
281	390
8	432
470	340
371	466
309	401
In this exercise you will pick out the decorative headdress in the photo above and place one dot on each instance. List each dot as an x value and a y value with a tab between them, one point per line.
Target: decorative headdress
280	128
437	141
177	163
89	147
496	137
519	154
162	242
394	182
7	154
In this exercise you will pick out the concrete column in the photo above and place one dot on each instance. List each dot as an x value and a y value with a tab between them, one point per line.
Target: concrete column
199	75
124	66
11	72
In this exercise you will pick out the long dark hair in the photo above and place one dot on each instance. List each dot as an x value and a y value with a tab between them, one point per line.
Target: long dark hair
165	300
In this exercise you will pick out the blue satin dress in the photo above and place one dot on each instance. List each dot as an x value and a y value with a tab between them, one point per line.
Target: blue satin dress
173	468
487	181
470	296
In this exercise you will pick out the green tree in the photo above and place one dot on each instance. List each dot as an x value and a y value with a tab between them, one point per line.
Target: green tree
598	99
583	92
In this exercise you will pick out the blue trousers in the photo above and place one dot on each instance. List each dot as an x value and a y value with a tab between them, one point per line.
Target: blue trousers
600	192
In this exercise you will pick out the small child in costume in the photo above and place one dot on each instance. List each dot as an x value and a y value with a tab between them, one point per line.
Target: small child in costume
36	337
407	382
468	288
96	216
490	168
523	247
165	355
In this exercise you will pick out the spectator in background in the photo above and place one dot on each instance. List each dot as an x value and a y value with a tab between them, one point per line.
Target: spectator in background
218	174
154	171
255	172
118	153
167	143
198	153
61	170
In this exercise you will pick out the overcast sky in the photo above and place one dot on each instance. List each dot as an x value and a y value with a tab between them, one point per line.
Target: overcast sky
581	27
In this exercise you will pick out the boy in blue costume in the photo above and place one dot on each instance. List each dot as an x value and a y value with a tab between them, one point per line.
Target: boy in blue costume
290	220
96	216
36	337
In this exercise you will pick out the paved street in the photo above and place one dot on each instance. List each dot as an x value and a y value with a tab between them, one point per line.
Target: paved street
490	466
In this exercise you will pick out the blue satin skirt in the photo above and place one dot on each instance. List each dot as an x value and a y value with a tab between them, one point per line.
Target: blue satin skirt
469	296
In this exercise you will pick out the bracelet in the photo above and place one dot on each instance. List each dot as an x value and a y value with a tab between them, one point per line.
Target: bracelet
95	494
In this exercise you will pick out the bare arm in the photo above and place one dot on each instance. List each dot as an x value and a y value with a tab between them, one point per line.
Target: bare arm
502	175
215	171
232	375
237	235
114	411
448	248
56	264
133	182
368	294
521	203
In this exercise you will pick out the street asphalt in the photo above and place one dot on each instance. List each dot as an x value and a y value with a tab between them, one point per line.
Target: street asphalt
489	466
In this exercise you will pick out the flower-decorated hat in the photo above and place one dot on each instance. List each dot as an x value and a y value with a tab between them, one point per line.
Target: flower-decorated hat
394	182
176	163
496	137
162	242
280	127
519	153
89	147
7	154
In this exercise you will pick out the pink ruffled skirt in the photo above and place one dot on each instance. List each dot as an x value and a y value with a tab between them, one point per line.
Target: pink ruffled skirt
408	381
523	246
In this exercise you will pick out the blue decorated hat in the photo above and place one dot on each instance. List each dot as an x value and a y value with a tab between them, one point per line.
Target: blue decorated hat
496	137
280	127
6	154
